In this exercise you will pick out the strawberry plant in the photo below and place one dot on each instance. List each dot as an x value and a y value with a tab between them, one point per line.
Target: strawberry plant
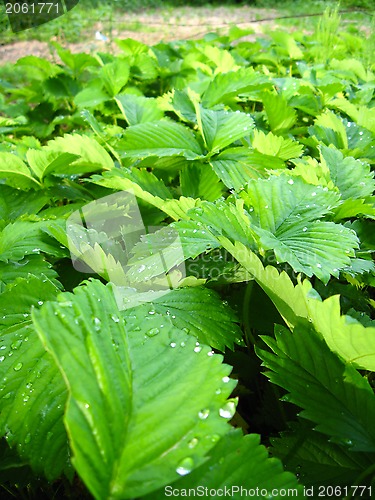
186	270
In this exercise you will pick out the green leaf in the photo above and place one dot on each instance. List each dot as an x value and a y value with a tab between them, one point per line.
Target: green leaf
222	59
163	138
24	237
77	62
226	219
288	43
16	173
92	156
44	162
138	109
288	299
92	95
353	178
14	202
120	181
225	86
285	214
113	373
237	166
316	460
329	128
176	243
115	75
198	180
200	312
354	208
333	395
274	145
31	264
33	393
344	335
221	128
281	117
237	461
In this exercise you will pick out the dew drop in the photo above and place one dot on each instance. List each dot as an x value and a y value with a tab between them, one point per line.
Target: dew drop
290	181
214	438
193	443
141	268
203	414
97	323
304	229
15	345
228	410
225	380
152	332
173	344
185	466
18	367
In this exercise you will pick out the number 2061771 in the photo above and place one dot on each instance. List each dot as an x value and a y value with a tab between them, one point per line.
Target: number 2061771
32	8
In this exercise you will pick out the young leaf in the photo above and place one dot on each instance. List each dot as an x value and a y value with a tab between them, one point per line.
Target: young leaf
275	145
141	377
344	335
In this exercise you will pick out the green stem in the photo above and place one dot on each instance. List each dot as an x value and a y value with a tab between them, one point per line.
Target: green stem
250	339
360	478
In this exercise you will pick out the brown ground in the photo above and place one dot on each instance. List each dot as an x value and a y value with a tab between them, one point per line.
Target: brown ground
181	23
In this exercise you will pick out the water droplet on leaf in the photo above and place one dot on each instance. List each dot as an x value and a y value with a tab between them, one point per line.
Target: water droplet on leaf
185	466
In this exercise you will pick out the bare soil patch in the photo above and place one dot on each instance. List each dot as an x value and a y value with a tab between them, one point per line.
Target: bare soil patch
150	28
